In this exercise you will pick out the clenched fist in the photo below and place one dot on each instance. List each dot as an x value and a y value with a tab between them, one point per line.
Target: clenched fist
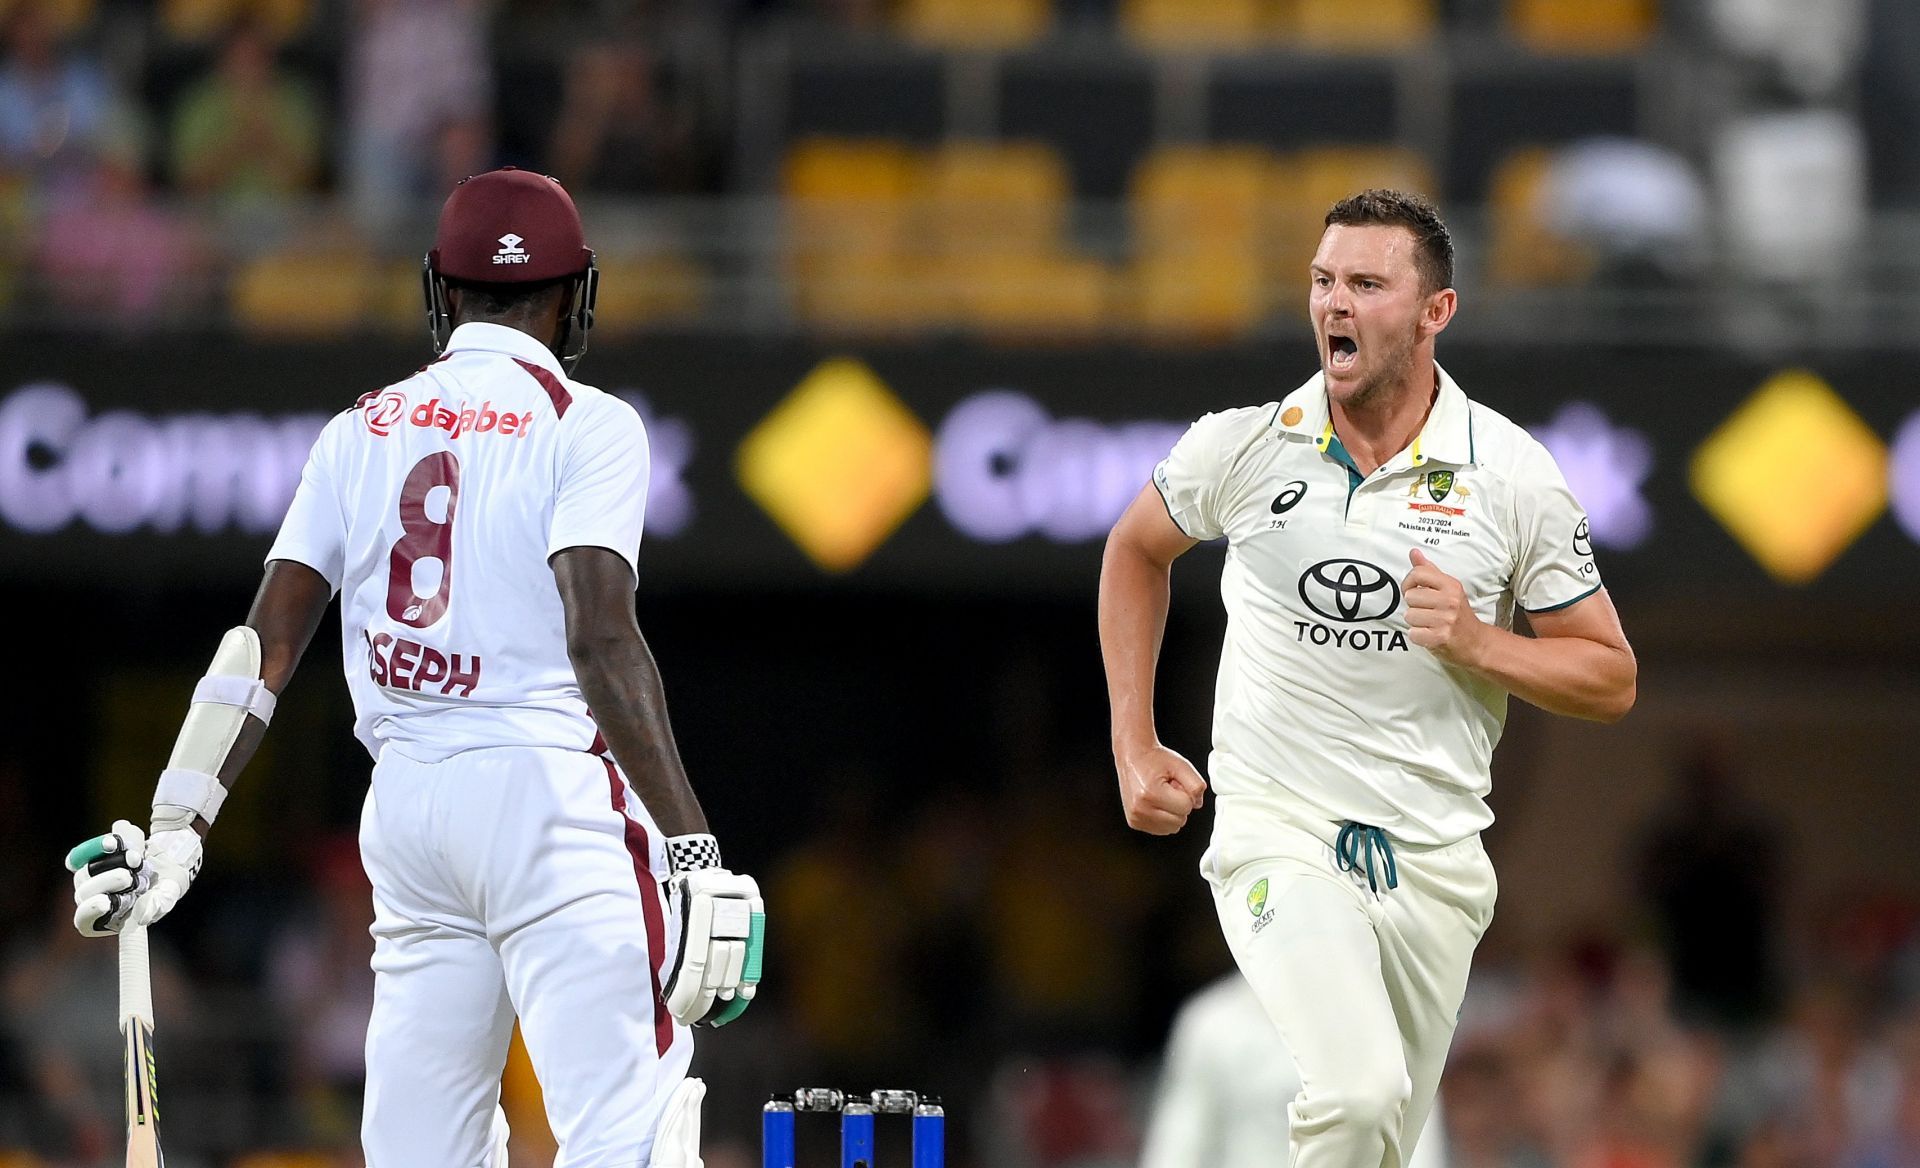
1158	789
1440	619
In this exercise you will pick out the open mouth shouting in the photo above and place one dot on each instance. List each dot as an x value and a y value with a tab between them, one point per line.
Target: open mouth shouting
1343	353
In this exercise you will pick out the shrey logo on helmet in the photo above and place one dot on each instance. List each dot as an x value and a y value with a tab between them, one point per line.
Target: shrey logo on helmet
510	250
512	227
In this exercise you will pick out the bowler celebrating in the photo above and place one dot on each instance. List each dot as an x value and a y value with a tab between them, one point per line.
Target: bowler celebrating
534	846
1381	530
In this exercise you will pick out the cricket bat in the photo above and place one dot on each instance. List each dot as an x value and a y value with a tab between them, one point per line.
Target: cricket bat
136	1030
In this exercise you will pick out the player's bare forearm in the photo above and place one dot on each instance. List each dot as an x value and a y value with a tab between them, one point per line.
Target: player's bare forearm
1134	595
621	683
1577	663
1568	675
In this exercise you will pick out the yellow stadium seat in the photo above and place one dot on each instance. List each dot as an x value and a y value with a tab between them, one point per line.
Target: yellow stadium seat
639	290
1308	183
1197	24
1522	249
1582	26
980	197
847	195
872	294
1356	26
307	294
975	24
1209	296
1187	199
1032	297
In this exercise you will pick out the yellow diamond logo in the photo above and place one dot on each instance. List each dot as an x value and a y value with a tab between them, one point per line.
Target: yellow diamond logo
838	465
1794	475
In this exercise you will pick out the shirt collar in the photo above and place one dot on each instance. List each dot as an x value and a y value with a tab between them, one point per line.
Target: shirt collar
1447	436
479	336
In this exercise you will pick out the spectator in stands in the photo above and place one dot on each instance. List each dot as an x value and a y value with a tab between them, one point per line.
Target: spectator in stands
58	107
419	96
108	253
614	133
320	975
1709	872
62	1000
247	135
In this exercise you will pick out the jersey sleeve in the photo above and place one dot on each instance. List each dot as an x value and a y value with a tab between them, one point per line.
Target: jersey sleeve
1554	567
314	531
601	500
1192	477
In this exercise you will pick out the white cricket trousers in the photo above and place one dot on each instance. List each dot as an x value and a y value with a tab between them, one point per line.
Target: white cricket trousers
1364	985
510	881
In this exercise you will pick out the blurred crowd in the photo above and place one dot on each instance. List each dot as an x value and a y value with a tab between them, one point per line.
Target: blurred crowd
147	150
1018	952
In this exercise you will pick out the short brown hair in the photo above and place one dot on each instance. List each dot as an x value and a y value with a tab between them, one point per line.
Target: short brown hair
1433	245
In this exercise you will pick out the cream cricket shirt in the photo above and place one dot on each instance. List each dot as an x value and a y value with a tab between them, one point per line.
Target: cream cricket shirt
1322	696
433	506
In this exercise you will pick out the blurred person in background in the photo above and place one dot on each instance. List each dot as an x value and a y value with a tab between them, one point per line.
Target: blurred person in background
62	998
615	133
1353	734
60	111
1823	1083
419	94
1224	1085
249	134
1709	872
108	251
847	1004
320	977
1484	1129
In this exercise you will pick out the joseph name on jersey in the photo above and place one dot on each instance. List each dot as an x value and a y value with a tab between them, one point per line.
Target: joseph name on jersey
1323	697
432	506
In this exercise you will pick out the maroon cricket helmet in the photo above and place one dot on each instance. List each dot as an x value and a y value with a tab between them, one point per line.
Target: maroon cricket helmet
509	226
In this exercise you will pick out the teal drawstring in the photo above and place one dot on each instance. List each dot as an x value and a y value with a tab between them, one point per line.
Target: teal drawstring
1358	838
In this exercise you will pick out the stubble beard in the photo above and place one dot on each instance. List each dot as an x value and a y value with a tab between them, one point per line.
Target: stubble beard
1377	390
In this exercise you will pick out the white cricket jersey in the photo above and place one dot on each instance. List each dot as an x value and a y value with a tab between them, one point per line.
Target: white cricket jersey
432	507
1322	696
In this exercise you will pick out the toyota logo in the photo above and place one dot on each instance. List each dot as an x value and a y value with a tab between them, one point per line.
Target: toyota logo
1349	591
1582	541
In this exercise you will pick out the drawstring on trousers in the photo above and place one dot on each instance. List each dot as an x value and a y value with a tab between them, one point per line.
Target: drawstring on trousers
1354	849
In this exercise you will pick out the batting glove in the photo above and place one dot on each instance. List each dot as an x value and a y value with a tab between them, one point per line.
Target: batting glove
723	925
126	877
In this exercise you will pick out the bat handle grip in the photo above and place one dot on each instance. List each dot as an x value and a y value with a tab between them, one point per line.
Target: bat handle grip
136	982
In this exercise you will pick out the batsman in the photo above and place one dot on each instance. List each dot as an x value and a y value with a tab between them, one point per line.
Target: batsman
1381	531
533	842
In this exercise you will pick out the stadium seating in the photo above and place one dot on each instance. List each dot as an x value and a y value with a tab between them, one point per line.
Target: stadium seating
639	290
1582	26
1198	216
1310	181
1377	26
974	24
1522	249
848	203
1197	24
306	293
